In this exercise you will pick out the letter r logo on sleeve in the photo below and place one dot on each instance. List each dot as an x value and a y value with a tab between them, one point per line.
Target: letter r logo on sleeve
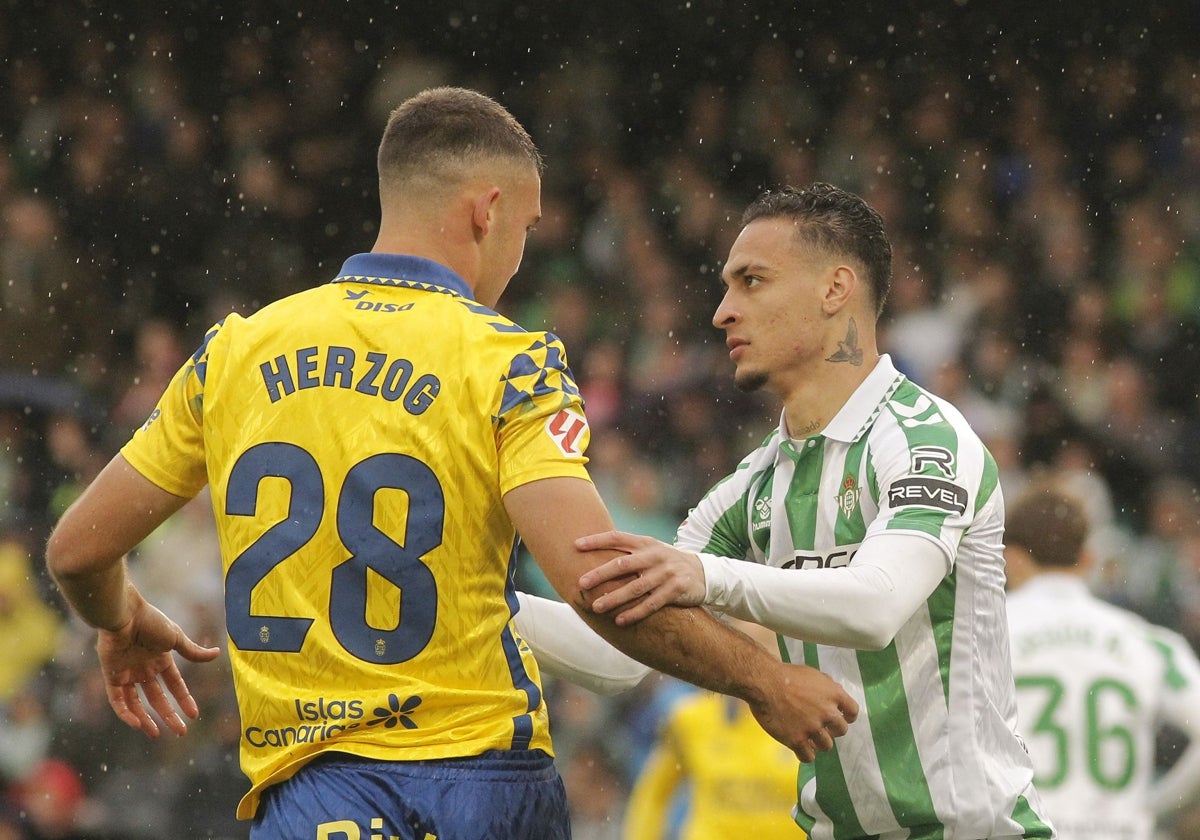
567	427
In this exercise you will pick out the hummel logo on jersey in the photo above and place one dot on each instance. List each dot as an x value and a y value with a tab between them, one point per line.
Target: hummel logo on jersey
762	514
922	413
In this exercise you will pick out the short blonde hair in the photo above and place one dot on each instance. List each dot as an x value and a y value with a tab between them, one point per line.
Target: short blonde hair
441	131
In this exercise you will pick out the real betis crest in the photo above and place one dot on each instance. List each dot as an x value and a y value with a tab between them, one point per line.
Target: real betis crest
847	500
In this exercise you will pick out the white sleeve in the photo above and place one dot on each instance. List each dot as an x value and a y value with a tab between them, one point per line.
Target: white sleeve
566	647
862	605
1180	785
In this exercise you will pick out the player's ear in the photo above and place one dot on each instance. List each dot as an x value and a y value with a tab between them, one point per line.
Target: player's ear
1019	566
840	284
1087	561
483	212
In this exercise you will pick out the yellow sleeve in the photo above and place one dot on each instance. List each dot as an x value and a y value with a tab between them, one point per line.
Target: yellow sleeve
541	428
168	449
650	801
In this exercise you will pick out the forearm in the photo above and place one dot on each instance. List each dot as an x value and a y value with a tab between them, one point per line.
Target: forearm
687	643
86	551
690	644
102	598
860	606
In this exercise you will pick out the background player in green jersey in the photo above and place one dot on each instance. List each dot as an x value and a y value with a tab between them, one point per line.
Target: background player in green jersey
872	519
373	446
1095	683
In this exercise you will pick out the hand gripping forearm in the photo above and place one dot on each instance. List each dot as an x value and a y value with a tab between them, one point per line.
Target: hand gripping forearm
797	705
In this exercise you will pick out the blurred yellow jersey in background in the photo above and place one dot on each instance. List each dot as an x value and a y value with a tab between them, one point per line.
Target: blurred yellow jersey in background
740	782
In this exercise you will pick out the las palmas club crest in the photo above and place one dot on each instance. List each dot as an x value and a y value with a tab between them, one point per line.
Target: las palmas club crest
848	499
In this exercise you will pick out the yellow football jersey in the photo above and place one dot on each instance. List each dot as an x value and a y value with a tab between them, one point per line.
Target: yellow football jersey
358	439
741	782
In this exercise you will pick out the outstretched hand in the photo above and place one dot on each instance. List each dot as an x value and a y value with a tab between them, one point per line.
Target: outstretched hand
805	711
140	655
658	575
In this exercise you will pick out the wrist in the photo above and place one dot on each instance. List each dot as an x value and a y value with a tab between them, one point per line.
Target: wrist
115	628
759	676
126	607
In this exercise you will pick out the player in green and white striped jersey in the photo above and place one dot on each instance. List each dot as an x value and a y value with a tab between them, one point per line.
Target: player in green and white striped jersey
873	519
1094	683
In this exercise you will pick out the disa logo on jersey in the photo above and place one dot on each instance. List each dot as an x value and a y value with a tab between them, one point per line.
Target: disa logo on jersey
374	306
567	428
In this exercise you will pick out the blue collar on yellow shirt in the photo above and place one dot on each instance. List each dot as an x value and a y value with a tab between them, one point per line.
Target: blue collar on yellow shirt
403	270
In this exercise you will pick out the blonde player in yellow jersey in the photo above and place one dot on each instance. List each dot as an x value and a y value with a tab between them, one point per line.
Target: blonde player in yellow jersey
372	447
737	780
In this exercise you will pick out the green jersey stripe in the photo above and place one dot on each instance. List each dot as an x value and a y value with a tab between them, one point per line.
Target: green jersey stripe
801	499
942	603
907	791
833	797
850	524
731	522
1029	820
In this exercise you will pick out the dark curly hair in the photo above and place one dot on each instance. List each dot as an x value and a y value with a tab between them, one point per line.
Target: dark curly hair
836	221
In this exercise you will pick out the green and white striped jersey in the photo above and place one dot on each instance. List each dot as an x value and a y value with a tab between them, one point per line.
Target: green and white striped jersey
1095	683
934	753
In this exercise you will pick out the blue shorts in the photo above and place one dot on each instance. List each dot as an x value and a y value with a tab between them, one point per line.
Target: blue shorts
510	794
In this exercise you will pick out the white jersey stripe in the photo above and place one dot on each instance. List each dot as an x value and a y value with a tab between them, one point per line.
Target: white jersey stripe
926	702
860	760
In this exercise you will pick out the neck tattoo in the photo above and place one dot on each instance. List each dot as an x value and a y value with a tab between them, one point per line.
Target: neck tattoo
806	430
848	349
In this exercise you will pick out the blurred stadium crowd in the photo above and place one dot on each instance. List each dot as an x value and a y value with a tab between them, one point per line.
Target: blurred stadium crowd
159	169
